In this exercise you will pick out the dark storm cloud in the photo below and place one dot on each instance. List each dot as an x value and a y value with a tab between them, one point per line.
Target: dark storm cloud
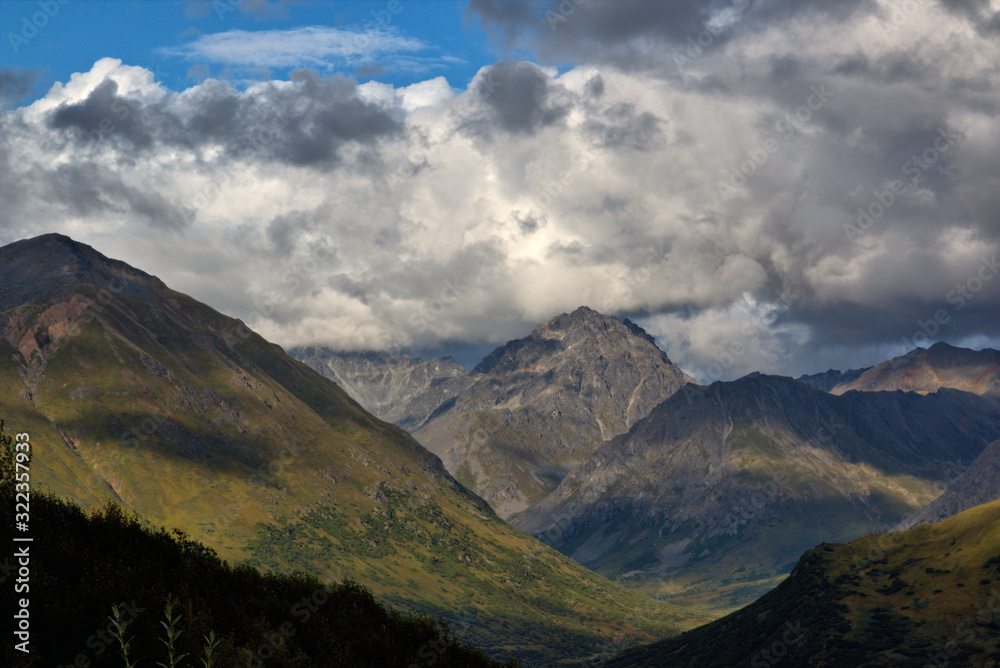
595	86
909	324
14	85
519	97
636	34
284	231
978	12
103	114
303	124
436	217
528	223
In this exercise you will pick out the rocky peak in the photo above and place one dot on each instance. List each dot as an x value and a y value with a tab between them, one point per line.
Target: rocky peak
562	335
52	265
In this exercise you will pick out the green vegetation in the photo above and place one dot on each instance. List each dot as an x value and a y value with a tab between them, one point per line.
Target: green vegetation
899	599
83	565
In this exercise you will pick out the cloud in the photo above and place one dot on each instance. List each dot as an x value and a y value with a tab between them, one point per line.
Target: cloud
517	97
313	46
308	120
834	181
640	34
14	85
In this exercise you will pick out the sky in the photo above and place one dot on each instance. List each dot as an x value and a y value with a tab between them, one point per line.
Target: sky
776	185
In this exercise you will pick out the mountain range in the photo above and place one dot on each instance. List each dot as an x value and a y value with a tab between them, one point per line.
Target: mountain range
929	369
609	464
141	395
719	490
704	498
529	412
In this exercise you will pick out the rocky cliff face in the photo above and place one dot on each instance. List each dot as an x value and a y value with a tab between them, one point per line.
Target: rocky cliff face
394	388
742	477
540	405
831	378
978	484
929	369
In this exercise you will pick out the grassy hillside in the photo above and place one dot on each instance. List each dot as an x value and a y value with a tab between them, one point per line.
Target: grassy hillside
926	596
84	564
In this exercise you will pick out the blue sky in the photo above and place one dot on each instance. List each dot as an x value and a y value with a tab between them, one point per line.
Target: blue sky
422	39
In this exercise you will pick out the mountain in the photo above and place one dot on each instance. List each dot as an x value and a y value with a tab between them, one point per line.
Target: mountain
831	378
393	387
529	412
538	406
924	597
929	369
978	484
135	393
714	495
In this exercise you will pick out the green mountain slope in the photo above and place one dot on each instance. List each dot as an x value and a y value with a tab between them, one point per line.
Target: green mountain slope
135	393
929	596
82	565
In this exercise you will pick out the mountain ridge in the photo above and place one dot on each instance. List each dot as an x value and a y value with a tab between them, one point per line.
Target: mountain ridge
533	407
929	369
744	476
